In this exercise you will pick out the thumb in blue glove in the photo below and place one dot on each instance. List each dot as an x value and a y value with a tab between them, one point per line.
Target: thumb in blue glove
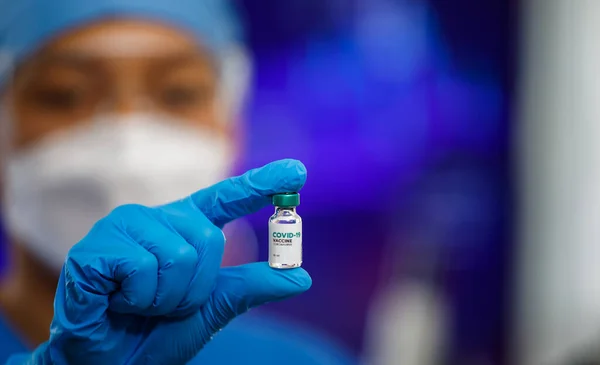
145	285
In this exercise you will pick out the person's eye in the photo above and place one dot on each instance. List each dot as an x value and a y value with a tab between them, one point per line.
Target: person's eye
58	98
177	97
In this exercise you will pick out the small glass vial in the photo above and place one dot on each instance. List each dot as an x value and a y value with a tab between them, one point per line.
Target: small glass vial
285	232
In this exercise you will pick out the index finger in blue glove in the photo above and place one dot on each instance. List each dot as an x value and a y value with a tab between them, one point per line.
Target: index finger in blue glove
242	195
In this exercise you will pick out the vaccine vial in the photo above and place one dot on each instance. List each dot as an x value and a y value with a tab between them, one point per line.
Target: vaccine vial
285	232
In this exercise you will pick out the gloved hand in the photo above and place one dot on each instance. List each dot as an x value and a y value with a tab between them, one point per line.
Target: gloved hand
145	285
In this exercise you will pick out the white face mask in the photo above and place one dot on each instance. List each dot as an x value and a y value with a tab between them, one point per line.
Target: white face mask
57	190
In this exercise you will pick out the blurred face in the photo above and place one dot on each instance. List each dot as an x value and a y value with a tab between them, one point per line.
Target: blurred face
113	113
115	67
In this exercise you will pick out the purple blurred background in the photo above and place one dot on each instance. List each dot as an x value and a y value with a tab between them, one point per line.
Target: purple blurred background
386	101
372	95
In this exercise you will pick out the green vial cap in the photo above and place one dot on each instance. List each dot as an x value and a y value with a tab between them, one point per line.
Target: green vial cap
286	200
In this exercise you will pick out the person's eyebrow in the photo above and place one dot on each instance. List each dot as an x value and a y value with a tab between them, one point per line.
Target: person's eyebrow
188	58
71	58
27	70
78	57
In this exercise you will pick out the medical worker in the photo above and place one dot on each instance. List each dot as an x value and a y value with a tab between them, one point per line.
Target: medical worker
133	105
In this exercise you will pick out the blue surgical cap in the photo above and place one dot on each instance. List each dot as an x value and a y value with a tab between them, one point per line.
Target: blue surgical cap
26	25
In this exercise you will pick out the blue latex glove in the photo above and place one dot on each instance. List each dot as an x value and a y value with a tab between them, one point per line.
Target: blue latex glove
145	285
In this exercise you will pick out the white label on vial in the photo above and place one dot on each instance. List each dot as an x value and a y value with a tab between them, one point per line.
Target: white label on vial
285	243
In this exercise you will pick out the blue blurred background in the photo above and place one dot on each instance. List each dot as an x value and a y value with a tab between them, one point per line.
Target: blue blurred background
391	104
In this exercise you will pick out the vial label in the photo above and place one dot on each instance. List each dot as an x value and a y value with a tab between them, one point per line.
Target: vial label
285	244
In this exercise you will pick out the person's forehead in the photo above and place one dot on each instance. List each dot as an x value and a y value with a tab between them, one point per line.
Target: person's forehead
127	38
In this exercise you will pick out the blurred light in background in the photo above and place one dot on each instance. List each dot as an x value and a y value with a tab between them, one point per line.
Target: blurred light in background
558	318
